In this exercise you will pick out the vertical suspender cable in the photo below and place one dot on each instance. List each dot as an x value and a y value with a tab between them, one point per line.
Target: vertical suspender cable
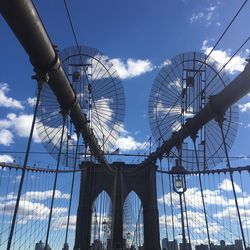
40	85
220	122
171	204
64	114
202	194
185	206
71	190
164	202
244	204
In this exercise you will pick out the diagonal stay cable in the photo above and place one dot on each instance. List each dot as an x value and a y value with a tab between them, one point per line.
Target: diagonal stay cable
223	67
64	114
220	123
224	32
13	223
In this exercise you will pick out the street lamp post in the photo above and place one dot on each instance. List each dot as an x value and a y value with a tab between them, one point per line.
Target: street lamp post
179	186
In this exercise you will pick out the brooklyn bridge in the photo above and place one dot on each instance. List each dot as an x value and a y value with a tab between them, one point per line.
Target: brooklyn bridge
182	191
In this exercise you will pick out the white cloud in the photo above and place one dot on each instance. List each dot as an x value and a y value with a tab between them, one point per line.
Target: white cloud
128	143
19	125
61	222
31	101
196	222
220	58
226	185
36	195
44	195
17	179
244	107
132	68
196	17
167	62
128	69
6	137
31	206
8	102
211	197
231	212
207	16
31	210
22	124
210	12
26	208
6	158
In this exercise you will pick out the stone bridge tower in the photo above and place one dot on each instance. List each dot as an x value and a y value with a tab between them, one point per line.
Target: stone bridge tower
118	183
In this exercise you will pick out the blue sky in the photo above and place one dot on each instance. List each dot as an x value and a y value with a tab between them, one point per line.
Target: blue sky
138	37
142	35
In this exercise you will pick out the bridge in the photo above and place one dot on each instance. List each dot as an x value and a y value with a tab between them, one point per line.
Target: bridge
96	202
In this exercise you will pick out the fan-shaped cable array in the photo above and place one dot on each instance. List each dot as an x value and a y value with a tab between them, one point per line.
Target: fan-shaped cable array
98	89
181	89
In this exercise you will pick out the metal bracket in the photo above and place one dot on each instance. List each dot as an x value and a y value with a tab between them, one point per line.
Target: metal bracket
219	116
40	77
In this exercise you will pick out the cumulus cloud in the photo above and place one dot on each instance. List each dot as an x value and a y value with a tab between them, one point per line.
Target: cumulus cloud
231	212
31	101
32	206
167	62
128	143
196	222
61	222
8	102
26	208
244	107
226	185
211	197
44	195
125	69
220	57
18	124
6	158
37	195
6	137
132	67
215	200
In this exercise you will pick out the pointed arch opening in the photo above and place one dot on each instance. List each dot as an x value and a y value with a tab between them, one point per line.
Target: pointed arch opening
133	225
101	222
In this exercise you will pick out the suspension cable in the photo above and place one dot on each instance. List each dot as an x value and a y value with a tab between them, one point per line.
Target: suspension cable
223	67
164	202
185	207
222	35
244	204
220	123
171	204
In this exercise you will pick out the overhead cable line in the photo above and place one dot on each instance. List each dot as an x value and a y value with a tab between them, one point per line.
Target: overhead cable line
225	31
